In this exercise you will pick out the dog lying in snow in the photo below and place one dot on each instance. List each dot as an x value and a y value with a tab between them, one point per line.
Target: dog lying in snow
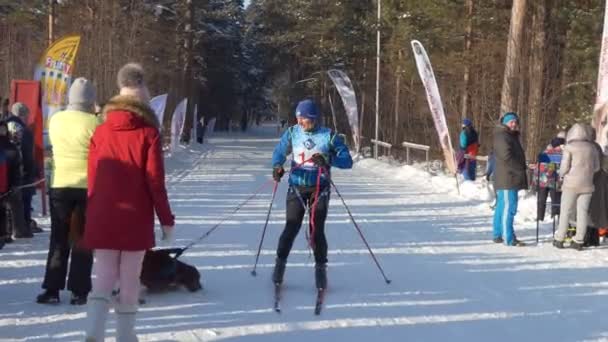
161	272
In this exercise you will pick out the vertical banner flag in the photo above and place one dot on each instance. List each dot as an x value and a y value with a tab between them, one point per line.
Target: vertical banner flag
54	71
602	83
432	94
347	93
177	122
158	104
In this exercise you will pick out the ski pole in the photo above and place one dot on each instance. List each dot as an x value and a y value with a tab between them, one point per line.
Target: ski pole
257	257
388	281
217	225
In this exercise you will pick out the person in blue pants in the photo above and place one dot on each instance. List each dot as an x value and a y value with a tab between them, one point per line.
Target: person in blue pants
510	177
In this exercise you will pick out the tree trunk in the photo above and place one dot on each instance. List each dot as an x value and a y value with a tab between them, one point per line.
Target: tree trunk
187	76
512	75
537	77
397	95
468	31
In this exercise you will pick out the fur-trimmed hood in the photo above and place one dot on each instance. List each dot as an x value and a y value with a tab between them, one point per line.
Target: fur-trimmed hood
125	103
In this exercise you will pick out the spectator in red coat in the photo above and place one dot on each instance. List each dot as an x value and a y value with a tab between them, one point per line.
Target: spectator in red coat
126	185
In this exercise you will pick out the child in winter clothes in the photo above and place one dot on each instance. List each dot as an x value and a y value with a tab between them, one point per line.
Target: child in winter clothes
469	145
126	186
580	162
546	177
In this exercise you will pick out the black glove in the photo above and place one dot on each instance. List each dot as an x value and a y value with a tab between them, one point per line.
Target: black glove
319	160
277	173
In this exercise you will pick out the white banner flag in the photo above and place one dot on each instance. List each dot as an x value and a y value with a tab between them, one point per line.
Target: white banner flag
347	93
434	98
177	122
158	104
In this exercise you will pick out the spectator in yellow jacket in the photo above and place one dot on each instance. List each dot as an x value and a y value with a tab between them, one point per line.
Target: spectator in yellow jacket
70	132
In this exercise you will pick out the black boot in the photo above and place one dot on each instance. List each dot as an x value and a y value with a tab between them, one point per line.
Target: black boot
321	276
48	297
78	299
279	271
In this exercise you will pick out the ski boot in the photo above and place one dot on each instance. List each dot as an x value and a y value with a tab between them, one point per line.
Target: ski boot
279	271
321	276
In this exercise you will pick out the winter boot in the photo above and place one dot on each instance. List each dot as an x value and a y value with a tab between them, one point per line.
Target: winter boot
558	244
48	297
78	299
97	314
125	323
34	227
321	276
279	271
576	245
517	243
498	239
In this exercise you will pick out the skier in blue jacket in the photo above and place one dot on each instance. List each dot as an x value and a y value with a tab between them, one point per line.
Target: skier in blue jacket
315	150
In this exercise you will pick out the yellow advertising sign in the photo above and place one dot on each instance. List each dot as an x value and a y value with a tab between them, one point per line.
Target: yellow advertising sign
54	71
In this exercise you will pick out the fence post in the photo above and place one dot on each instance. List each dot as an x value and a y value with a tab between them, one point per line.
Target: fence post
407	155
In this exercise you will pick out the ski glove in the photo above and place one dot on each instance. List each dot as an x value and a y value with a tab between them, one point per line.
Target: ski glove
319	160
277	173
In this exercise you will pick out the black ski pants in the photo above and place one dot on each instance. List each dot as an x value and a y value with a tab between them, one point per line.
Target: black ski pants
556	197
295	215
64	203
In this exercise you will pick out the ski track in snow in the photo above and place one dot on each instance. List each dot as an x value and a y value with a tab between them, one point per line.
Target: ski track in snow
449	281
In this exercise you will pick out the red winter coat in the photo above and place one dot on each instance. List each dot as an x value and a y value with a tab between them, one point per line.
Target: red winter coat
126	179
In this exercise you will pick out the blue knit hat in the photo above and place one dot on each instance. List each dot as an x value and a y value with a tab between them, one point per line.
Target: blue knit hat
467	122
307	109
510	116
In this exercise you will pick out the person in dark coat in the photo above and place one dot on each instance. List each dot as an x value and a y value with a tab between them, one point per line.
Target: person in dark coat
10	165
200	131
510	177
21	200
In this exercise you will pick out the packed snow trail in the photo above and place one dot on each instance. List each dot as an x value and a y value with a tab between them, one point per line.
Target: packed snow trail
449	281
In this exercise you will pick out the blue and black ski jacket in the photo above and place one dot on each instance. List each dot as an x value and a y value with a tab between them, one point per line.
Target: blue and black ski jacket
303	145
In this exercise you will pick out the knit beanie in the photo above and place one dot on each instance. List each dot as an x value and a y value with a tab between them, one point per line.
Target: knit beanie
131	82
307	109
81	96
510	116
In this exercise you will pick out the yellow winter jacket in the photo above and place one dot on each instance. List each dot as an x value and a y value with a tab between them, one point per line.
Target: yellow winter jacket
70	133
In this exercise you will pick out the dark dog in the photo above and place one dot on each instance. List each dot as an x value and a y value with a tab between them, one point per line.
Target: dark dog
161	272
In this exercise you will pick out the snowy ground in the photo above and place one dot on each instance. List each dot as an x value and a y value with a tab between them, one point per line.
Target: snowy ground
450	282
